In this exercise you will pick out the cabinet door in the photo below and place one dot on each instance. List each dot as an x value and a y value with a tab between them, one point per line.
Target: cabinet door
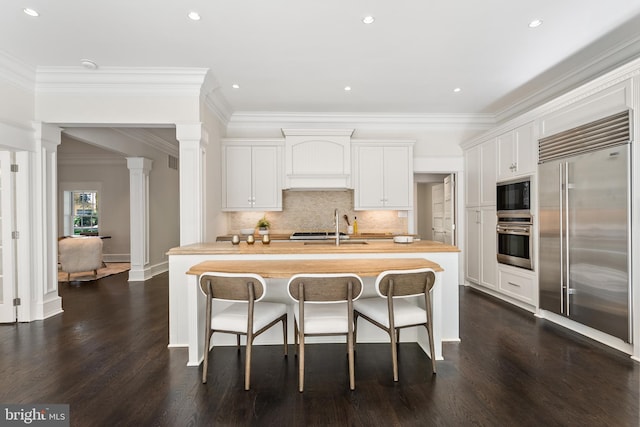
265	182
489	262
506	155
370	181
472	176
488	174
526	150
480	166
481	264
473	251
238	177
517	152
397	179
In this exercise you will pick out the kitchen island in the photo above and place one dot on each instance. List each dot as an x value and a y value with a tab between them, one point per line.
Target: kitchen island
278	260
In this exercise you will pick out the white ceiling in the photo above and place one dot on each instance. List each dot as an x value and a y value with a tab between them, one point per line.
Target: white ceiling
298	55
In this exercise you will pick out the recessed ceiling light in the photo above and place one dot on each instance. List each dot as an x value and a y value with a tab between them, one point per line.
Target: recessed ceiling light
347	88
535	23
194	16
456	90
89	64
235	86
30	12
368	19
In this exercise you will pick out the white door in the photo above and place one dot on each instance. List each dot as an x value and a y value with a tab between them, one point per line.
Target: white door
7	283
449	210
437	212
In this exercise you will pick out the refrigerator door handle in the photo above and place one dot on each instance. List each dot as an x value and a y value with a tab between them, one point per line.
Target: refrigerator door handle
561	223
566	240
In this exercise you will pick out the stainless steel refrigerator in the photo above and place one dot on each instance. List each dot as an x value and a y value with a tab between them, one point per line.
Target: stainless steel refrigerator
584	203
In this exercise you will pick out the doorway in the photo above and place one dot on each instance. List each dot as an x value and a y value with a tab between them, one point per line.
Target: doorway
436	207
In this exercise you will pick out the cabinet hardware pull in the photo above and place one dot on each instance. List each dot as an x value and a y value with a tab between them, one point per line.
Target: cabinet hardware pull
514	284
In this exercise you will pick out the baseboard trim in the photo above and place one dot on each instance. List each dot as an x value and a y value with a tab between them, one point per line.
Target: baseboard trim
140	275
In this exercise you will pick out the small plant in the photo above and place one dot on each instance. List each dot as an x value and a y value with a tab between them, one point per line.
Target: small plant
263	223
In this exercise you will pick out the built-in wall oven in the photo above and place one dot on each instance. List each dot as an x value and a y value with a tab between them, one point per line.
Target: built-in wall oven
515	223
515	239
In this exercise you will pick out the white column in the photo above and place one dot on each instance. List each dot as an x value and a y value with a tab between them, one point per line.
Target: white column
139	169
193	140
37	225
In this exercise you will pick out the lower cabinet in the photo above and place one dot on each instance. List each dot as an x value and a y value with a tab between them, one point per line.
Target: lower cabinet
482	271
481	264
517	283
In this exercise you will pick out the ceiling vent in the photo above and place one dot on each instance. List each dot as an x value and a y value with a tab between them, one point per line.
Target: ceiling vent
606	132
173	162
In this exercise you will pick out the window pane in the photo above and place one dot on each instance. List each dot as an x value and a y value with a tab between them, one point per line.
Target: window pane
85	212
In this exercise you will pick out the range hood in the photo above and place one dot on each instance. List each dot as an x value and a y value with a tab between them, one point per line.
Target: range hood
317	159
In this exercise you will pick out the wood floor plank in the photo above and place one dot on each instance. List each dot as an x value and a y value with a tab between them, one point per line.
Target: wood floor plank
107	357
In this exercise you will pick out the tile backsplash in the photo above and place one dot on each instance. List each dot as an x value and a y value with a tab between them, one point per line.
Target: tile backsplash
313	211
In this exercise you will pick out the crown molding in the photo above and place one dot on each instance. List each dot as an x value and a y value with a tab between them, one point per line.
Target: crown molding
627	71
286	119
17	72
121	80
608	60
317	132
215	102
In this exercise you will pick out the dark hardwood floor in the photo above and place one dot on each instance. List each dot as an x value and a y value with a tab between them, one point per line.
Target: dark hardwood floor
107	357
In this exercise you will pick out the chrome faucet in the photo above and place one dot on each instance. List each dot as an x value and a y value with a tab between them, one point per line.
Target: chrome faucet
336	219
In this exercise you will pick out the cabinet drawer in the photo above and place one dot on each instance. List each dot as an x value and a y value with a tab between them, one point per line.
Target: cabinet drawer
517	286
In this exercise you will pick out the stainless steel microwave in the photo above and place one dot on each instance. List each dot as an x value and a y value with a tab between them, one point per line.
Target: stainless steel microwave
514	196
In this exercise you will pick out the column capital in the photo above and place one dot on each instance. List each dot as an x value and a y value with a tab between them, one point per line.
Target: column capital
192	132
141	163
47	134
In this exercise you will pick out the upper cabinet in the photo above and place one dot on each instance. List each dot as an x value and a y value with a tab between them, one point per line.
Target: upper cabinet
480	173
383	176
517	152
252	175
317	158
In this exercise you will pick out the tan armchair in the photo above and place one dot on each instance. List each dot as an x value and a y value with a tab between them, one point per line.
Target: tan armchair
78	254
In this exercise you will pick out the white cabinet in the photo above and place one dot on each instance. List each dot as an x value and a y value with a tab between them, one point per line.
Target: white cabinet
473	244
252	175
517	283
481	264
383	176
517	152
480	249
480	173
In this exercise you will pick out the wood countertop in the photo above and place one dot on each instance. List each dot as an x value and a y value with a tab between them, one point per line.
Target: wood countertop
286	236
315	247
287	268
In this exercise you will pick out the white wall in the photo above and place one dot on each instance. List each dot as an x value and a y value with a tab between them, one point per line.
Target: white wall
18	104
